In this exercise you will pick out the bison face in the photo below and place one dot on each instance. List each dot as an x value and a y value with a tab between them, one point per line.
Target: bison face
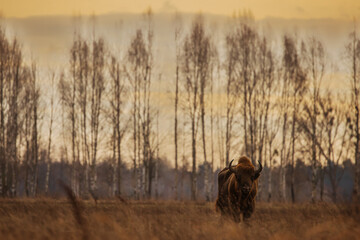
245	176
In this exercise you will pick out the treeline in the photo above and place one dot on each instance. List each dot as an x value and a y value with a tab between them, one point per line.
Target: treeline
249	96
62	169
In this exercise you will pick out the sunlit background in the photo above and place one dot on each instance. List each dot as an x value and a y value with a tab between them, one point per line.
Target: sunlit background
305	9
45	30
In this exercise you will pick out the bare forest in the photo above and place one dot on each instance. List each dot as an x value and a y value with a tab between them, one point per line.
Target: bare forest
97	123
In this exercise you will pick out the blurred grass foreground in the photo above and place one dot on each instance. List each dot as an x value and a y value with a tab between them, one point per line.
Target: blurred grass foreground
116	219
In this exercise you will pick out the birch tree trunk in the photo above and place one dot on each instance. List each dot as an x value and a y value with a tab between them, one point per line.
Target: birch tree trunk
293	152
283	162
269	180
157	158
48	164
202	114
177	33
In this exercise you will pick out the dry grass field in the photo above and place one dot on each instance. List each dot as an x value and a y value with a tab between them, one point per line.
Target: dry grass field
113	219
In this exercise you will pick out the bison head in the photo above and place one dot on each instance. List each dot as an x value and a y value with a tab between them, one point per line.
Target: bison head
245	175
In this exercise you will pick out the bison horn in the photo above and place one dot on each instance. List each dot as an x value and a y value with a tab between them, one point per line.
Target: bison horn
230	168
257	172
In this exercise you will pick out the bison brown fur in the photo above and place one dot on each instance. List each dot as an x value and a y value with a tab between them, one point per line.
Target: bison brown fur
238	187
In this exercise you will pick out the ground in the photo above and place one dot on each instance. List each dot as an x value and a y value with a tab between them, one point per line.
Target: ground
114	219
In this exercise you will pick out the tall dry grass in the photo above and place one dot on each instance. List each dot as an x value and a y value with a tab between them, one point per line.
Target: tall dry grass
113	219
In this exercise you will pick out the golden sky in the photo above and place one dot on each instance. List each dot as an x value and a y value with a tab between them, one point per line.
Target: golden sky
344	9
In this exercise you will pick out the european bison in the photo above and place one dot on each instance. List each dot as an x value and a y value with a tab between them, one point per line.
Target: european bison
238	186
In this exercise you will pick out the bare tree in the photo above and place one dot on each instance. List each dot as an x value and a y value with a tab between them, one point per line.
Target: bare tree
270	88
335	147
215	73
195	68
250	68
117	100
67	91
27	133
178	56
157	158
314	57
4	52
334	143
19	102
353	56
147	124
271	133
134	81
296	76
82	67
96	96
51	120
232	90
139	73
35	95
14	79
265	104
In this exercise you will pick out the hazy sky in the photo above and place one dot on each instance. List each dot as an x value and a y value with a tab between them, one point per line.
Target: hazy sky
262	8
47	39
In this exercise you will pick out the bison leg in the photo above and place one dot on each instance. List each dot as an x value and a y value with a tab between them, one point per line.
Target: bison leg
234	208
241	217
247	215
236	216
249	209
222	206
235	212
219	206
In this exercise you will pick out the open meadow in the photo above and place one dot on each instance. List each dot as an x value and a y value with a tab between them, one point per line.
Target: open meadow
114	219
126	119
